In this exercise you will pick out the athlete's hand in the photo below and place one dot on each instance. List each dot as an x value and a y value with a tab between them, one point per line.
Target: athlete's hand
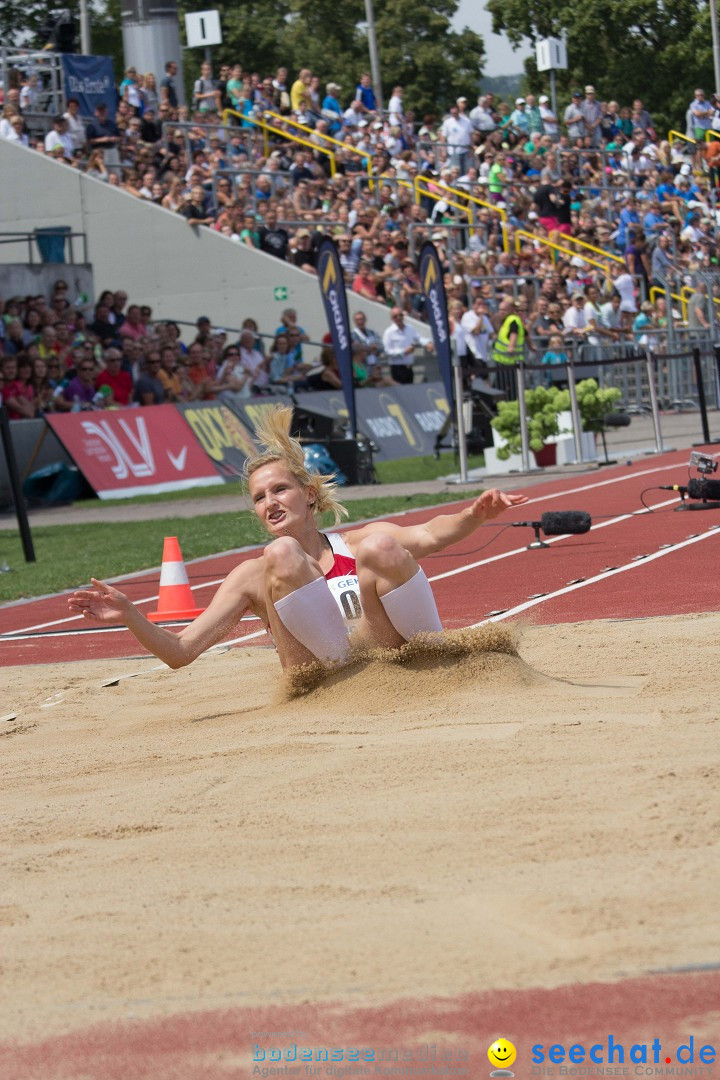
101	603
492	503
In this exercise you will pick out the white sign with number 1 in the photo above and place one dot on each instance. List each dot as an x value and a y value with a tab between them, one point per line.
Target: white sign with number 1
203	28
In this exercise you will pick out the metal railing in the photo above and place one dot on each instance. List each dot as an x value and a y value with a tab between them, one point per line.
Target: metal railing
265	128
326	138
31	239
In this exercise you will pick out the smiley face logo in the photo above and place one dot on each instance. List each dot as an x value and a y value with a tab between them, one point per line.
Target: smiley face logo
501	1054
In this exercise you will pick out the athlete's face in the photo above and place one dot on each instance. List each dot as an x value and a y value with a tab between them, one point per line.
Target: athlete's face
280	500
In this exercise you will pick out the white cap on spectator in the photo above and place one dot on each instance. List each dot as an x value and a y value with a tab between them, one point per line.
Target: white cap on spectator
589	89
438	236
461	99
333	86
544	99
520	101
532	216
685	170
377	126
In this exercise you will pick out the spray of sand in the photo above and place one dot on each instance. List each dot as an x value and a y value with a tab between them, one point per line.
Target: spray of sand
428	667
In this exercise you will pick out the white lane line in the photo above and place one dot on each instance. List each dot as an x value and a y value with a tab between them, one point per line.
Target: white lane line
598	577
550	540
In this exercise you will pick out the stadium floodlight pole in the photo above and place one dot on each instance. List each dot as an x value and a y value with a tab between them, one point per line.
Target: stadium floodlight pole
715	43
372	44
85	40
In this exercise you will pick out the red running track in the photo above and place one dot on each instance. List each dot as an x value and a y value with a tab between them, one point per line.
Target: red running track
493	571
221	1044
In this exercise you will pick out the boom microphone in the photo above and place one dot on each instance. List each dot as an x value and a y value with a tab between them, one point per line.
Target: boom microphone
703	489
708	491
557	523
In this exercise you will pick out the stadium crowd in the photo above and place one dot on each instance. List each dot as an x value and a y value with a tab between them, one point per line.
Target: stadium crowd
598	173
55	357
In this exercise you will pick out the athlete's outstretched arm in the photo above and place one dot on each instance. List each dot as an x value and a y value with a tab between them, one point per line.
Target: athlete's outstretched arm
103	603
444	530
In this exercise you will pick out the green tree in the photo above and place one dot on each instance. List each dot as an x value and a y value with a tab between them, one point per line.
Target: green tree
420	52
650	49
417	47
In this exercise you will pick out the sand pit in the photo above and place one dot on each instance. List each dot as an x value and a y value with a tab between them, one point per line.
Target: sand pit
194	839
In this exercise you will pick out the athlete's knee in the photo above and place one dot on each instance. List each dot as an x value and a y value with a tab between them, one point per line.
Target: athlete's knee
284	560
380	553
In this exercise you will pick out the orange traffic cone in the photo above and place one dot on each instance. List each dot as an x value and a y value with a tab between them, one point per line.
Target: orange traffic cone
175	598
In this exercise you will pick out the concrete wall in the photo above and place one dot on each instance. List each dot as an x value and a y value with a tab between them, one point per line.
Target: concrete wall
21	279
182	272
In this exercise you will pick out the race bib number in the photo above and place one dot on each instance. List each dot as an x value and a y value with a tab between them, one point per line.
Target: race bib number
346	593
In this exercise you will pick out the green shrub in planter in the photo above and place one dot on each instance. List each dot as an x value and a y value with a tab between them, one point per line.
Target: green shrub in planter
596	404
543	404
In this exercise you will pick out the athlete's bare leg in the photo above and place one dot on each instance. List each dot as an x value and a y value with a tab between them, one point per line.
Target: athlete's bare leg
287	568
382	565
305	621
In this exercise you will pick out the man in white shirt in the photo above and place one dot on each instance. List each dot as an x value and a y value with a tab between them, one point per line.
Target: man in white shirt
477	328
399	343
457	131
395	106
59	136
574	319
75	123
548	117
481	116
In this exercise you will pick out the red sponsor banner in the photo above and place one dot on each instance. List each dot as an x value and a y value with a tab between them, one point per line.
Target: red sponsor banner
140	451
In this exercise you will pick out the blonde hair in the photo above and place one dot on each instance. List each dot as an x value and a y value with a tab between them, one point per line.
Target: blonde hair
272	431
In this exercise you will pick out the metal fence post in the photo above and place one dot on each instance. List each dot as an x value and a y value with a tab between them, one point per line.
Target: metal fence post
651	364
522	410
701	396
575	410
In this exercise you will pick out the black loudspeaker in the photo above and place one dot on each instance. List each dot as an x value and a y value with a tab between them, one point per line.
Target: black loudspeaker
344	453
311	427
354	458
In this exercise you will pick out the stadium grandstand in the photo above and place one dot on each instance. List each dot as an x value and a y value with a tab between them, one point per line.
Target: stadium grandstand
586	234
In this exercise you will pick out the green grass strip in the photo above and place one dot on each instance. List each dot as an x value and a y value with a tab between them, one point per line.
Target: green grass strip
68	555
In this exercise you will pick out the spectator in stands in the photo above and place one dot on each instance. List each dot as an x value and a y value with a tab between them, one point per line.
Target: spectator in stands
195	211
17	393
199	374
148	387
365	95
274	239
701	114
16	131
592	113
104	134
168	92
363	334
118	380
574	118
205	91
132	325
59	137
399	344
80	392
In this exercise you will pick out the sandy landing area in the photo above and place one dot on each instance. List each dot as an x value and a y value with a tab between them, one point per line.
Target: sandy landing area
452	823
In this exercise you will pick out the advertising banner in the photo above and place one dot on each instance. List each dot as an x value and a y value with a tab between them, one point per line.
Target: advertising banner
332	289
134	451
436	307
249	410
402	421
90	79
222	435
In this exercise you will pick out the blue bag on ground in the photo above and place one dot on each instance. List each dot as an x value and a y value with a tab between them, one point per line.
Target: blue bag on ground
318	460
